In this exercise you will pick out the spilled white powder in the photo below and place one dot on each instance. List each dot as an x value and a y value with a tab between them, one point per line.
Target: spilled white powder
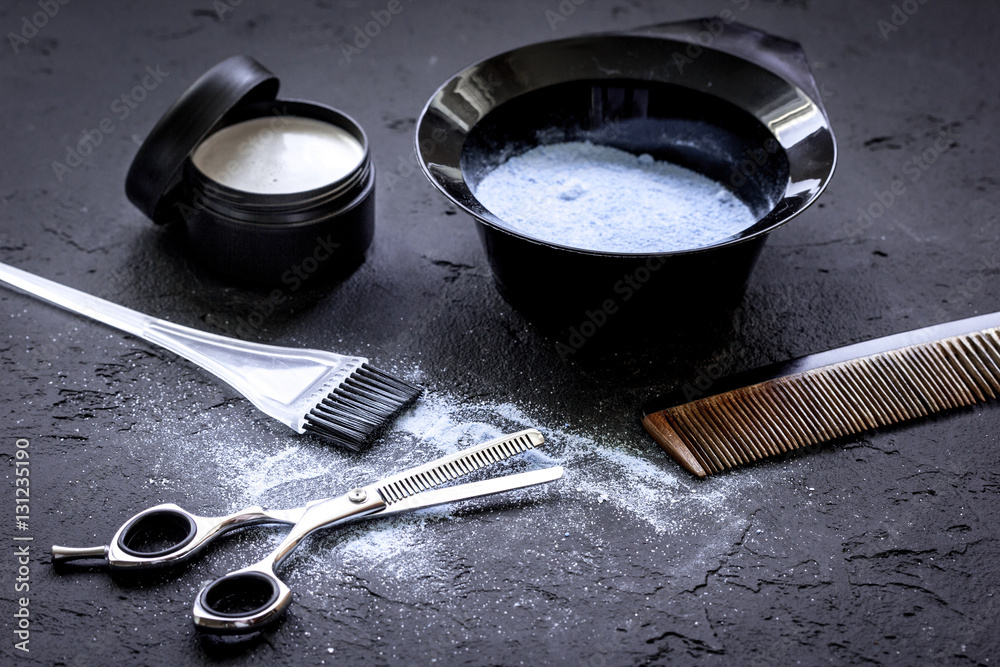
597	197
610	479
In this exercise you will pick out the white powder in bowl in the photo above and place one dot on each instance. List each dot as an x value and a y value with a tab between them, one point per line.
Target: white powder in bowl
596	197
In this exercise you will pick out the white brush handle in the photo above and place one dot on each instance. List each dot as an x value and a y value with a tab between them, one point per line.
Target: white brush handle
76	301
281	381
178	339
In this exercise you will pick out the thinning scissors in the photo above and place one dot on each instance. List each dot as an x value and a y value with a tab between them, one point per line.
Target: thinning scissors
251	598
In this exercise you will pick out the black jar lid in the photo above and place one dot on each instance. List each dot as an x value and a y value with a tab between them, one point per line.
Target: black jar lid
155	173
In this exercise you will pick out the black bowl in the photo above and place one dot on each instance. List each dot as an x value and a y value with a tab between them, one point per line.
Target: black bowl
726	101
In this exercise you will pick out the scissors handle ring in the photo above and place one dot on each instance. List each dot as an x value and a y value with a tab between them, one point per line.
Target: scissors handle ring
240	602
168	534
169	528
252	598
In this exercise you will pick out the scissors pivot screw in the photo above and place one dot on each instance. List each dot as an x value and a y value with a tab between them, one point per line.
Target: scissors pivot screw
357	496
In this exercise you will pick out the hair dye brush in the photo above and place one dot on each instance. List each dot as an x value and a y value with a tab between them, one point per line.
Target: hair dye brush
336	397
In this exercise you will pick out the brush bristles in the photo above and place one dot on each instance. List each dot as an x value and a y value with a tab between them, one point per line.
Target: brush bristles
715	433
353	413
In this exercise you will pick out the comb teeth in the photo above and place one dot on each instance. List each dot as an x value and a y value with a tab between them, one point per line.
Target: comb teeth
352	414
718	432
455	465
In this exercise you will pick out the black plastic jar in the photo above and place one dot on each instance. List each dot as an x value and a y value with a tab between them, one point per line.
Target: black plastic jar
269	191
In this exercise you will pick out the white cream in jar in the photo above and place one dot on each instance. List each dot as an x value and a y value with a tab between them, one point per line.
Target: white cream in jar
275	155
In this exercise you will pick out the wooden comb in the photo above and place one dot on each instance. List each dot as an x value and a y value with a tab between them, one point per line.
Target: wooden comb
833	394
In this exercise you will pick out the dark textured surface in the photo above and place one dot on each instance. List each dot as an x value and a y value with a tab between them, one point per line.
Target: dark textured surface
879	550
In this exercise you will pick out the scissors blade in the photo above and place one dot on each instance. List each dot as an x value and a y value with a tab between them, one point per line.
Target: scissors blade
485	487
440	471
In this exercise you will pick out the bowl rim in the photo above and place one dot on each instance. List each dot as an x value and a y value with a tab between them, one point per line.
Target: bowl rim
635	34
